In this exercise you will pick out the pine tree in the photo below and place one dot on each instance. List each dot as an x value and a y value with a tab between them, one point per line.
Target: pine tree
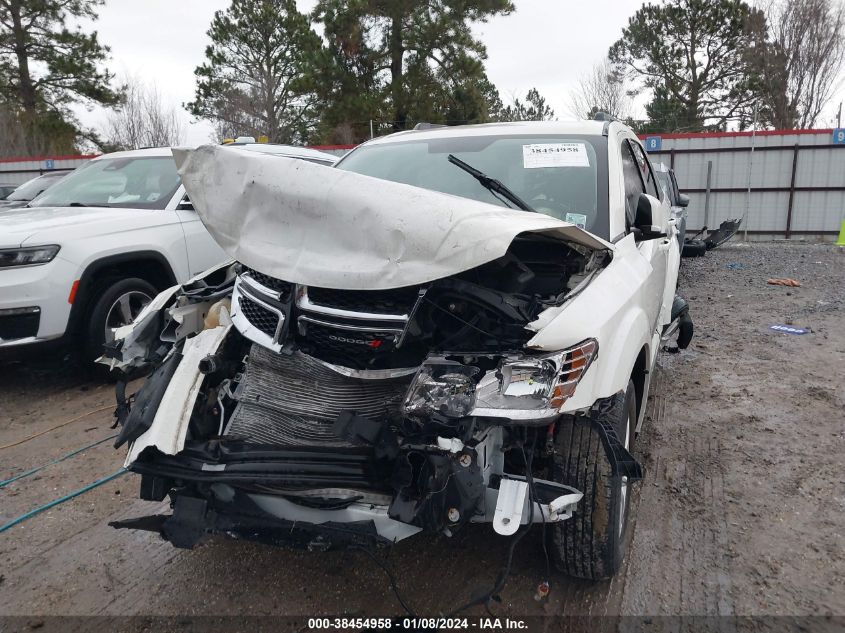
258	76
45	67
404	61
692	51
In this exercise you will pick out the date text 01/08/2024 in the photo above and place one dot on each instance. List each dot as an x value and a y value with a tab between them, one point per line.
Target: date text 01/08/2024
481	623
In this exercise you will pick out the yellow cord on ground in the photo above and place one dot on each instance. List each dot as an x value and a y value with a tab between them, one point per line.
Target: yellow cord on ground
58	426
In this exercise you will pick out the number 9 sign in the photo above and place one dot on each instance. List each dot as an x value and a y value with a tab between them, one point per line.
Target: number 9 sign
839	136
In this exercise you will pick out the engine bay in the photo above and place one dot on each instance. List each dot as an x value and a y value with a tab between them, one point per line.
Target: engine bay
483	309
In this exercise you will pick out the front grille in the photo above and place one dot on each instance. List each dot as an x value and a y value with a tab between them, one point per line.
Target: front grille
293	400
394	301
272	283
351	348
330	339
14	326
259	316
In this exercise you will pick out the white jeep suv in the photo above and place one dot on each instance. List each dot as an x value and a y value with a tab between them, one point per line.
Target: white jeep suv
88	254
452	325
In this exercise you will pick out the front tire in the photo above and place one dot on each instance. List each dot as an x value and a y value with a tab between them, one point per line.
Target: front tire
592	543
116	303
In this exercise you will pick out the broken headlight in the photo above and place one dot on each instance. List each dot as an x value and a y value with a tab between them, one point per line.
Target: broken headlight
444	387
533	387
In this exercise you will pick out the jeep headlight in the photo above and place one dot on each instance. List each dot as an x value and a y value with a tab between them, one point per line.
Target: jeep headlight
534	387
444	387
29	256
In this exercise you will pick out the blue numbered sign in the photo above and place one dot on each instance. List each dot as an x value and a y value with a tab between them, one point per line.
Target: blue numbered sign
839	136
653	143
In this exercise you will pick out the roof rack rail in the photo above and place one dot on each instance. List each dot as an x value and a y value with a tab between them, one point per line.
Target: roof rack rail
427	126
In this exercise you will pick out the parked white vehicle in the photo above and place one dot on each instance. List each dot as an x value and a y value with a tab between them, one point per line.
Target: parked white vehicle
452	325
89	253
28	191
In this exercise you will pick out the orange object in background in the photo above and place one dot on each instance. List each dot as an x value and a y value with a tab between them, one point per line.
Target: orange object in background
784	282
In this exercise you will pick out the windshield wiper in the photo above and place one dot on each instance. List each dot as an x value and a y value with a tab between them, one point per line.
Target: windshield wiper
491	184
82	204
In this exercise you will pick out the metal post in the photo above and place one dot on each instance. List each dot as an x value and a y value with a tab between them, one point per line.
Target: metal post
672	158
750	166
707	194
371	130
791	191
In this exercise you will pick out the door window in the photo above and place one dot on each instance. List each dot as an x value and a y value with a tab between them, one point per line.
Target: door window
651	186
676	192
633	184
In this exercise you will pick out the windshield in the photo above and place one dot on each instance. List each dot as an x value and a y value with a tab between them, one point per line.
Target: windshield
138	183
31	188
564	177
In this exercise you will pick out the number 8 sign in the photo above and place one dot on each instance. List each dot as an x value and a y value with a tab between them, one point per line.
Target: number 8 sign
653	143
839	136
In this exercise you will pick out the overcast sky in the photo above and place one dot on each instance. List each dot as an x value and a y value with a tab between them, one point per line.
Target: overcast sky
545	43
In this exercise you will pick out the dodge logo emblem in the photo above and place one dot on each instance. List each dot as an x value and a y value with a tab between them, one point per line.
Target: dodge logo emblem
375	343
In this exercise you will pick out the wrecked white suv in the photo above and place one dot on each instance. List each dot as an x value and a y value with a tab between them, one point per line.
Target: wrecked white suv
453	325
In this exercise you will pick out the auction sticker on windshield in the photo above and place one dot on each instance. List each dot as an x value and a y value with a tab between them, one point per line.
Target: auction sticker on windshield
541	155
578	219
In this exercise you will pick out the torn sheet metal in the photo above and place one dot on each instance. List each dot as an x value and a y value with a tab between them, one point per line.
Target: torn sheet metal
170	426
320	226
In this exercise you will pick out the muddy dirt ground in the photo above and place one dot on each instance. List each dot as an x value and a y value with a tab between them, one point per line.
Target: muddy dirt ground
740	511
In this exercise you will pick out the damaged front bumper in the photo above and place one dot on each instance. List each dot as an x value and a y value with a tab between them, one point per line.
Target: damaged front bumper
321	497
266	442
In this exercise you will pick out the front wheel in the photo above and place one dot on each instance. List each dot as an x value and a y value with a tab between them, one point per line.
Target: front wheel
592	543
117	302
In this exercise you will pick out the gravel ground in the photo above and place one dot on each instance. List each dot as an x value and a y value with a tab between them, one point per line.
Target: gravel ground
740	511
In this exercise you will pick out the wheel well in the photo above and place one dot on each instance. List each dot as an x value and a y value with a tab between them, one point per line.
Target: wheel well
151	270
638	376
150	266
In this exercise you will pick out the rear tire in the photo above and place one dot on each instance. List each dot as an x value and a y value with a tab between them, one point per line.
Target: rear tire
592	543
106	311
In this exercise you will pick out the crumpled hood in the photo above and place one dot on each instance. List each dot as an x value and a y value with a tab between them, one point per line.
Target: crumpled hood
18	226
327	227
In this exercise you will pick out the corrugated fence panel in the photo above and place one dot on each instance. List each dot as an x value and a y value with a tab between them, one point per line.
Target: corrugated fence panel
818	198
18	171
818	208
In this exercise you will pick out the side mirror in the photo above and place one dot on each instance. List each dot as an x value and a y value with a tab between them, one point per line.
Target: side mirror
652	221
683	200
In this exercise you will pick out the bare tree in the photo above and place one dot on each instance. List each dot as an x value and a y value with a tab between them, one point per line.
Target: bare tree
602	89
143	119
801	58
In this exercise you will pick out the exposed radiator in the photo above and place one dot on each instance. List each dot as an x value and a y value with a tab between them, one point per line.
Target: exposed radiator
293	400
